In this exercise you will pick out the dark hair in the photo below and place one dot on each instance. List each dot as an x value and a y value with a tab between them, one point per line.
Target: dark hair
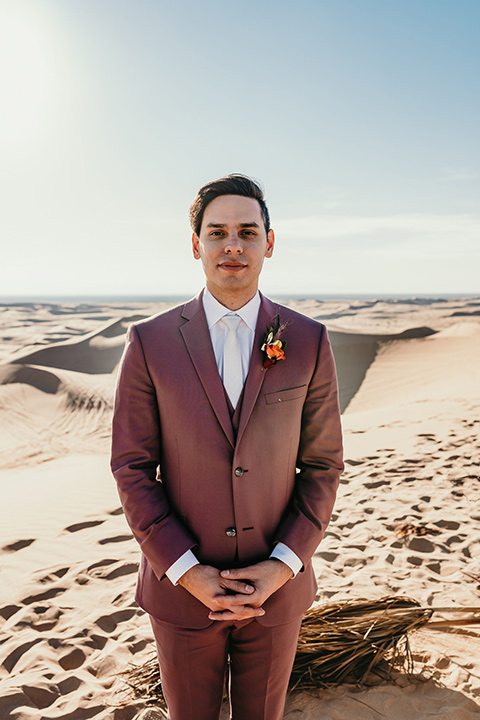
234	184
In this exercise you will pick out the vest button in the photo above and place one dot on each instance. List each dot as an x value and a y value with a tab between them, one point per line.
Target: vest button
230	532
239	471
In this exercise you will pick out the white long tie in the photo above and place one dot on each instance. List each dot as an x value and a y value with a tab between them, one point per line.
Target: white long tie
232	360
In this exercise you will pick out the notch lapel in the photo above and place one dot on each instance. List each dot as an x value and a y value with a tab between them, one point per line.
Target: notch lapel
199	346
256	371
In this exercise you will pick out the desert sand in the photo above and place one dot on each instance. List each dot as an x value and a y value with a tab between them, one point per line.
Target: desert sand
406	520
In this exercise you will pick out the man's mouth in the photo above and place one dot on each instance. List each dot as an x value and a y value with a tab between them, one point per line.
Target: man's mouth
232	265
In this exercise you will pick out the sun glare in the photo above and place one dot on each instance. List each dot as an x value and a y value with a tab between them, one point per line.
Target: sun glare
27	73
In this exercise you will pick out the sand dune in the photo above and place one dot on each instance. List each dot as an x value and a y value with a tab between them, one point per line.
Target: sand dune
49	403
354	353
46	413
406	520
96	352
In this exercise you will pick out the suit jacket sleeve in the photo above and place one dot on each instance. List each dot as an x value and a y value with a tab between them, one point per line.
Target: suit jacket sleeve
319	460
136	457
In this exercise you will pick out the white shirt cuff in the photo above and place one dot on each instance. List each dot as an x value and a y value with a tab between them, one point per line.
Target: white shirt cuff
283	553
180	566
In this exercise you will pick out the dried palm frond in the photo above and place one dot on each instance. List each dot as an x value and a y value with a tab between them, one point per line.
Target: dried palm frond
339	642
144	681
347	641
418	530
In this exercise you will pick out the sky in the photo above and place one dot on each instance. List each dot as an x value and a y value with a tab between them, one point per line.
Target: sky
361	119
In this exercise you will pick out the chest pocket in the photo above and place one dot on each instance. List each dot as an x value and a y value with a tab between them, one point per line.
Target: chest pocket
275	398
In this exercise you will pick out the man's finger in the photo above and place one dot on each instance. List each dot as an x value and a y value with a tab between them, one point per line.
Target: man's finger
241	613
238	573
237	586
228	601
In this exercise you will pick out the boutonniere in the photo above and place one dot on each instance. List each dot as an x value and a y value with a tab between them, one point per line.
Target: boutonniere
272	346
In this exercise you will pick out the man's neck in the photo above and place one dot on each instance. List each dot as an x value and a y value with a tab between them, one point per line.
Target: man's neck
232	301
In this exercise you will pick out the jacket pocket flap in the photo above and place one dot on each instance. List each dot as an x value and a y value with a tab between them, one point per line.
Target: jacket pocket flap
285	395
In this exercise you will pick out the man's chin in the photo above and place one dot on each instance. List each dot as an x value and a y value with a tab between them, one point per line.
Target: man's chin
232	270
233	280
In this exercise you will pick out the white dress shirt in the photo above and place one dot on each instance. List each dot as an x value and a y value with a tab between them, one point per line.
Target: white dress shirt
214	312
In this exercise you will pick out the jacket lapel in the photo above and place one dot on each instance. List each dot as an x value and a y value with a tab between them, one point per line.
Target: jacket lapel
199	346
256	371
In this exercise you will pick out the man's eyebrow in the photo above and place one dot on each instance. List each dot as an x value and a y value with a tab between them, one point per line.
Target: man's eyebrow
242	225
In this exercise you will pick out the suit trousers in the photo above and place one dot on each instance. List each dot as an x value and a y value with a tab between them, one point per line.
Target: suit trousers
193	667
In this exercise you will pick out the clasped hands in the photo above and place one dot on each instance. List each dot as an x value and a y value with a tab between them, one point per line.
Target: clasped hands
236	594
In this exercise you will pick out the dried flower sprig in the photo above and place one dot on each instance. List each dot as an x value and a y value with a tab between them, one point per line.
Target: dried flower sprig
272	346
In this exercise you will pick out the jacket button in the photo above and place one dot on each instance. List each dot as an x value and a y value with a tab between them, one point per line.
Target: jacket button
230	532
239	471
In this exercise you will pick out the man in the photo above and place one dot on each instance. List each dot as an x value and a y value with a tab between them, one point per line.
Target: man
227	454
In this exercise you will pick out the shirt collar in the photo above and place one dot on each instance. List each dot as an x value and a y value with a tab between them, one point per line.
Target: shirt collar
214	310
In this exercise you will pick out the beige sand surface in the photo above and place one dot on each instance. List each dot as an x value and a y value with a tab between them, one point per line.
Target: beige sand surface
406	520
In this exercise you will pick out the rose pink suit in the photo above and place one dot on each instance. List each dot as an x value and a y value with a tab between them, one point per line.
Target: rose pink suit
191	476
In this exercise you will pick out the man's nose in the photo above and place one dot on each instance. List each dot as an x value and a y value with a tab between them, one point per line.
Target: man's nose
233	244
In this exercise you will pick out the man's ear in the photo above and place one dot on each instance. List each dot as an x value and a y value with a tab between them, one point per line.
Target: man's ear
270	244
195	244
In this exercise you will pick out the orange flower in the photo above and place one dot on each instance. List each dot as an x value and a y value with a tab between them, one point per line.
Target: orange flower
273	348
275	351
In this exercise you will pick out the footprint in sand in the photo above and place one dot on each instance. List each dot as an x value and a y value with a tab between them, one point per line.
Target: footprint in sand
42	696
83	525
136	647
124	569
108	623
72	659
69	685
421	544
328	556
97	642
12	659
9	610
47	618
123	598
18	545
376	484
115	539
47	595
460	538
100	564
61	571
104	570
54	576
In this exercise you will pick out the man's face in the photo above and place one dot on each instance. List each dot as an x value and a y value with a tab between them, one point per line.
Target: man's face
232	246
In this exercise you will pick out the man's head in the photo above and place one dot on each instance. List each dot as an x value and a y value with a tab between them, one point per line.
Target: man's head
235	184
230	220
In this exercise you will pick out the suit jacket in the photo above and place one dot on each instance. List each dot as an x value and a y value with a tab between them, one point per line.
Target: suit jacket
187	479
